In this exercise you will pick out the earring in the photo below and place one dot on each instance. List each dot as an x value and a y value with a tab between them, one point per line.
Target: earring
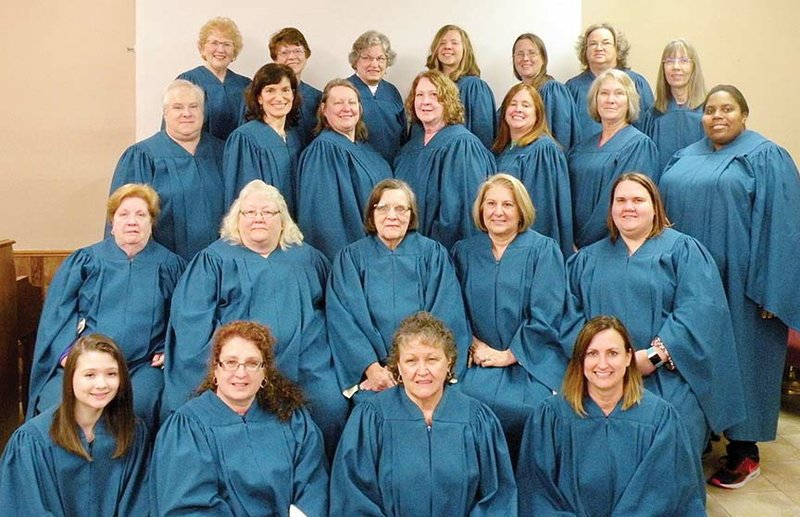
263	383
215	380
450	376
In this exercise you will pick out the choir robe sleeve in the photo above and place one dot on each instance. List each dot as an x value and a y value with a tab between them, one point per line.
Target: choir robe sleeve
479	108
58	324
135	497
311	482
561	113
28	475
775	234
699	336
497	487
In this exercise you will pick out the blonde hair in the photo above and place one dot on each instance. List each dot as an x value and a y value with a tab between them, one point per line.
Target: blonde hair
143	191
696	86
290	232
227	28
630	91
525	206
322	121
467	66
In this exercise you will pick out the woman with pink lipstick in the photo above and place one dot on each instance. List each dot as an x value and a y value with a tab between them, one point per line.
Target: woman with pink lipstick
422	447
606	445
87	455
121	286
381	279
525	149
451	53
337	172
246	442
737	193
674	120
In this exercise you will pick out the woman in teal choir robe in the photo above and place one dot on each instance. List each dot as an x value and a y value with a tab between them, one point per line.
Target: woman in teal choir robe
607	446
600	158
120	286
442	162
525	150
601	47
266	147
381	279
530	67
289	47
674	120
514	287
337	172
666	288
88	455
259	270
245	445
736	192
384	114
422	448
184	165
219	43
451	53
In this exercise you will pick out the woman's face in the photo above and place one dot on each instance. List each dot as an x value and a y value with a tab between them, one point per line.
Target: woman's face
96	380
429	110
371	65
450	51
612	101
423	369
723	119
276	100
527	59
678	69
601	51
217	51
391	224
605	363
238	388
632	210
132	224
293	56
520	114
260	223
500	212
342	111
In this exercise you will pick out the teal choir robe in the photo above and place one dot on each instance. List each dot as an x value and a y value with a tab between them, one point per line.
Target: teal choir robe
672	130
561	112
224	104
384	115
307	116
479	108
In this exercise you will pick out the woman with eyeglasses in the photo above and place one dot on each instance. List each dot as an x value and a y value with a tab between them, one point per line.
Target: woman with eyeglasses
244	445
219	44
289	47
259	270
530	66
381	279
88	455
674	120
384	113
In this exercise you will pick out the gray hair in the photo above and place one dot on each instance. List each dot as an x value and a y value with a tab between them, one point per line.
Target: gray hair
369	39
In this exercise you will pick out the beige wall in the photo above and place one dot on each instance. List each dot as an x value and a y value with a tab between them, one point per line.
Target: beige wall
68	102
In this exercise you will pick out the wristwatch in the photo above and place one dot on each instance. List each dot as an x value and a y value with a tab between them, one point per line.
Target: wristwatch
655	359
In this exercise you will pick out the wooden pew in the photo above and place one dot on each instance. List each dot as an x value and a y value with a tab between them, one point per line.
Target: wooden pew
9	368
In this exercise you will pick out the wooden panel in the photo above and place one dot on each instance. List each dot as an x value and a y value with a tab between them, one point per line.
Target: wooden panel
9	377
39	265
29	309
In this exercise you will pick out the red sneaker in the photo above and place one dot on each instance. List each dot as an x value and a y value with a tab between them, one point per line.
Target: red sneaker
735	475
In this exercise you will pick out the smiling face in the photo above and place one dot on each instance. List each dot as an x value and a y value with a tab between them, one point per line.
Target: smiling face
96	381
612	102
500	212
217	51
450	51
601	51
423	369
520	114
276	100
371	65
293	56
238	388
260	223
605	363
678	69
723	119
527	60
342	110
427	107
392	226
132	225
632	211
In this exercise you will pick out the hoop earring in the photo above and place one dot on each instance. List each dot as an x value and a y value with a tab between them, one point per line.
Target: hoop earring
263	383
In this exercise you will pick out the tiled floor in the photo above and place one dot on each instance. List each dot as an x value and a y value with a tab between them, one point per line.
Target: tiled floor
776	492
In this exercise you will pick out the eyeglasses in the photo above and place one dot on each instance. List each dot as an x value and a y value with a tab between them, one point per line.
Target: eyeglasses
231	365
522	54
600	44
676	60
400	210
381	60
227	45
292	52
265	214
